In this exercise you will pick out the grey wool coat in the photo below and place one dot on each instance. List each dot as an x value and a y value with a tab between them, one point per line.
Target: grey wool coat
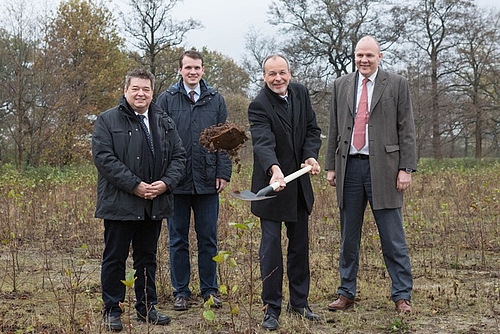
391	133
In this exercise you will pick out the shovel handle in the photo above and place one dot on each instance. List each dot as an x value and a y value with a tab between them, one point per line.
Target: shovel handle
288	178
296	174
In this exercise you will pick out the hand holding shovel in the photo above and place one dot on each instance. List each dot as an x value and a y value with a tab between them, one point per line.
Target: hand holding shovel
247	195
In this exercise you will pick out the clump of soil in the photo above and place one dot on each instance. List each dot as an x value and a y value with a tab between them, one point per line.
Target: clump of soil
226	137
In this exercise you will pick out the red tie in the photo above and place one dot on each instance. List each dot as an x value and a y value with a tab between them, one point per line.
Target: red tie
191	95
361	119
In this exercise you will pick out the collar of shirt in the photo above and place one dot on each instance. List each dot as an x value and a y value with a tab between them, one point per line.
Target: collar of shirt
371	78
197	90
145	114
146	118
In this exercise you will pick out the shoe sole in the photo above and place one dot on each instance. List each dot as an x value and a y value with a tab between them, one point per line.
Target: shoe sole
181	308
154	322
404	311
270	328
111	329
298	314
331	309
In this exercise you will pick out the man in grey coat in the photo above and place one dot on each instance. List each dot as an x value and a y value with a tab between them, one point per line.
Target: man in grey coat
371	154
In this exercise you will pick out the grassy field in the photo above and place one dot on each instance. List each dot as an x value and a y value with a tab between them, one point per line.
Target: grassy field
51	247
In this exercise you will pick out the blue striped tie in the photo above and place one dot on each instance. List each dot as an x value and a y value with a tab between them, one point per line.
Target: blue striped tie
146	132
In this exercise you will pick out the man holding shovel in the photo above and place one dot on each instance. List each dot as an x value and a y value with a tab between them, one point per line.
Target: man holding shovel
285	136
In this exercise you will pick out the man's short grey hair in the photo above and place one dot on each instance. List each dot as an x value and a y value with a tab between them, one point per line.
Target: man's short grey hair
276	55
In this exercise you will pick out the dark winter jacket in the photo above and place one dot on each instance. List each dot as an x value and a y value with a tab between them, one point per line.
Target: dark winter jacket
121	155
202	167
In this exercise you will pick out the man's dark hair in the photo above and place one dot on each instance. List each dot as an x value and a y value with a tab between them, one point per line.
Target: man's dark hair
139	73
191	54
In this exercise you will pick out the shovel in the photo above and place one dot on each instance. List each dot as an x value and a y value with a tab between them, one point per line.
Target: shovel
247	195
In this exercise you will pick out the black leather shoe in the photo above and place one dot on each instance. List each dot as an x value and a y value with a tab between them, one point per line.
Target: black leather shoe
270	322
304	312
217	303
154	317
180	303
113	323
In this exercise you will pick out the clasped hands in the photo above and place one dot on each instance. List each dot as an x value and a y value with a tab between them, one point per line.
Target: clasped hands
150	191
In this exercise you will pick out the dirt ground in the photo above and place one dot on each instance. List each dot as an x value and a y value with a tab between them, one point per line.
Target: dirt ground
61	294
51	248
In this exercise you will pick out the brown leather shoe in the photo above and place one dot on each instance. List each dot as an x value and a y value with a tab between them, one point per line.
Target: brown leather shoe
180	303
341	303
216	302
403	306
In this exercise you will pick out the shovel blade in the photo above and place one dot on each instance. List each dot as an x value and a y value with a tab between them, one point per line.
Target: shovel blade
247	195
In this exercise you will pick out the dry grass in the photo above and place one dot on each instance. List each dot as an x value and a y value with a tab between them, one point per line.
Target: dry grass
51	248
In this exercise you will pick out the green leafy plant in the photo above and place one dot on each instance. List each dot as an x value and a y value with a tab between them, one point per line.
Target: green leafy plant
129	282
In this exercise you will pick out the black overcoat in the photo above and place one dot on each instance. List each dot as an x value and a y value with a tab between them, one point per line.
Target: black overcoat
284	138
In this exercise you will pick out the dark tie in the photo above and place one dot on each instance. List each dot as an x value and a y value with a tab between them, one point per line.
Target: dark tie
361	119
146	132
191	95
285	98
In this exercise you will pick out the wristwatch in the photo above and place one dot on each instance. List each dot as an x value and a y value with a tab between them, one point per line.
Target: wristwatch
408	170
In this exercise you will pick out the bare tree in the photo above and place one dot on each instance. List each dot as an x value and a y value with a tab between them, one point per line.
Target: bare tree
434	26
259	47
479	55
153	30
322	34
18	113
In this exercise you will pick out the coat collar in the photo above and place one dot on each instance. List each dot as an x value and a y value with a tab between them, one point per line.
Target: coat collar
277	104
378	89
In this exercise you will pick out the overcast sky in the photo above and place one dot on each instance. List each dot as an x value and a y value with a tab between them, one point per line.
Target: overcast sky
226	22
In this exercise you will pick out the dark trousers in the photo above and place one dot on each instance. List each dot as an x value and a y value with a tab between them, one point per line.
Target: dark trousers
297	262
118	235
357	192
206	212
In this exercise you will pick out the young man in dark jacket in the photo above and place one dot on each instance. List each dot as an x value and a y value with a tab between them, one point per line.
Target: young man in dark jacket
140	159
195	106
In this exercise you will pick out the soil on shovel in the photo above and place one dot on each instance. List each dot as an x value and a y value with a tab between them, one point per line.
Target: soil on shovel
226	137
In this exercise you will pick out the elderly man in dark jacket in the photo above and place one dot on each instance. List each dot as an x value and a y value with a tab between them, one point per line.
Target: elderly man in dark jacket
195	106
140	159
285	136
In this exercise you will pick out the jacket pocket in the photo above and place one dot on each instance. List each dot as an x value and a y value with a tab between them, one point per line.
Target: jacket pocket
121	140
391	148
210	166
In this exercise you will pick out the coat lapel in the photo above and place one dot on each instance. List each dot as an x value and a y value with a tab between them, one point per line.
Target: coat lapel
295	109
278	109
380	84
351	81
